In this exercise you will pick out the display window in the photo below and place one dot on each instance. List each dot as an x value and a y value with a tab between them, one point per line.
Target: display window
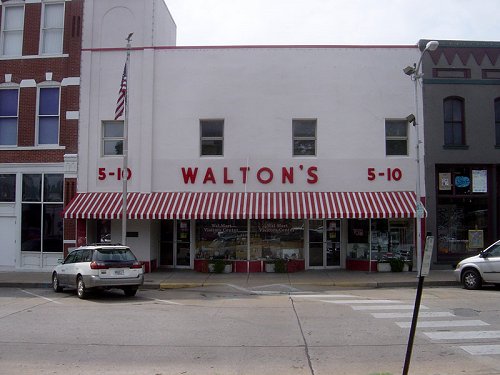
380	239
277	239
221	239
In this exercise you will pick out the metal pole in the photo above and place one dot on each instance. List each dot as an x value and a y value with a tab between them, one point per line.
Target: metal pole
413	328
125	148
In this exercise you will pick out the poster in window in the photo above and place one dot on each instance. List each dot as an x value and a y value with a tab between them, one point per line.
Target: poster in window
476	239
445	181
479	181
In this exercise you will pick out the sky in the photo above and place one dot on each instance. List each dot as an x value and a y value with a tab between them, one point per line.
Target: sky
332	22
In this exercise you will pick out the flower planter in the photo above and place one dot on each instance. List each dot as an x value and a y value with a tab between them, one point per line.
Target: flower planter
383	267
269	267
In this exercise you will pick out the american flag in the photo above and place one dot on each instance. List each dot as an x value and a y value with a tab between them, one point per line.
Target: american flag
122	94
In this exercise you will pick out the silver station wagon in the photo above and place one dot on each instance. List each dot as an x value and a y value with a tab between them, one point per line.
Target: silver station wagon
483	268
99	267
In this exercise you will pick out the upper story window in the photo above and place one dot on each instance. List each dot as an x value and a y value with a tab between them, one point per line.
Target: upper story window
12	30
304	137
48	116
8	116
396	137
454	122
52	28
112	138
7	187
211	137
497	122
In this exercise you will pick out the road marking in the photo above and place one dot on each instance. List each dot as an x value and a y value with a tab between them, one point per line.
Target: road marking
165	301
387	307
463	335
482	349
363	301
439	314
39	296
445	323
324	296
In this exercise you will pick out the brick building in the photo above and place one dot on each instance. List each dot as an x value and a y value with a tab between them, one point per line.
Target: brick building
40	51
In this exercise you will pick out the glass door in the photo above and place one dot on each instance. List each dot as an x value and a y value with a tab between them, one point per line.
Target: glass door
324	243
175	243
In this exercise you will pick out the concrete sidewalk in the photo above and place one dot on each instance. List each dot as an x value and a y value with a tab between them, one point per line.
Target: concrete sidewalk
169	279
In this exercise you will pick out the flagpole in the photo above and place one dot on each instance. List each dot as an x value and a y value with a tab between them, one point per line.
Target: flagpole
125	148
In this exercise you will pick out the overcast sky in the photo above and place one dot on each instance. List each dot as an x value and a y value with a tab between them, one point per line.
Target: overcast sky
306	22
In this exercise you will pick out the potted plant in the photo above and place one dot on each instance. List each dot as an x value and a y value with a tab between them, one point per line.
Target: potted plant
220	266
397	264
280	265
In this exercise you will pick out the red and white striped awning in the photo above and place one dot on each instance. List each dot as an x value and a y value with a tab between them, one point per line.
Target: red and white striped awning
278	205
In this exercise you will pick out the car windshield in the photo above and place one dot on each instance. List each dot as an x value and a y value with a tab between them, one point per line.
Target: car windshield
114	255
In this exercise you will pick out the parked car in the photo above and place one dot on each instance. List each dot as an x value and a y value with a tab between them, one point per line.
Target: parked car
99	267
484	267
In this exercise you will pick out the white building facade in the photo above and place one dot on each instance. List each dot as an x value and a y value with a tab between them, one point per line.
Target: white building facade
247	154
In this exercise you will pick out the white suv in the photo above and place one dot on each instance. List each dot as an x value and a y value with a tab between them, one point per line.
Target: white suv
485	267
99	266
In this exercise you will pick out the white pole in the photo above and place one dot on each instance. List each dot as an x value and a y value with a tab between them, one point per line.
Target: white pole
125	148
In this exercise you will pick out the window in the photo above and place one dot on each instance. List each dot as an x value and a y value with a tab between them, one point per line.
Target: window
52	28
42	206
7	187
396	137
8	116
112	138
497	122
48	116
304	137
212	137
454	122
12	30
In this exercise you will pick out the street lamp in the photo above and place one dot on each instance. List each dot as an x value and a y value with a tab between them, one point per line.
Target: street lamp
414	73
416	76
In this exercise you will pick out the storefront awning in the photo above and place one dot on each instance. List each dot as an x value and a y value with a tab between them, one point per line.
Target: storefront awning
255	205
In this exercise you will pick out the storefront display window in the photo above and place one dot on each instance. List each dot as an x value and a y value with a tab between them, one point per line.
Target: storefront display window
387	238
462	211
221	239
273	239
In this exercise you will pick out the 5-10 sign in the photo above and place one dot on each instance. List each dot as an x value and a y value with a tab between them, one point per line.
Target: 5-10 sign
118	174
389	174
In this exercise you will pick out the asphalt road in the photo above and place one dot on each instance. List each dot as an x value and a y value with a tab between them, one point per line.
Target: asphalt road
224	330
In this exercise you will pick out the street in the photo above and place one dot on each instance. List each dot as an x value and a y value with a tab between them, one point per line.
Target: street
231	330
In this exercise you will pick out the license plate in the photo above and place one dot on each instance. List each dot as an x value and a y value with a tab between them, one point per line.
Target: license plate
119	272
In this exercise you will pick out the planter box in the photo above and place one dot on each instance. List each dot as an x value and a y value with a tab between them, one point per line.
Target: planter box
228	268
269	267
383	267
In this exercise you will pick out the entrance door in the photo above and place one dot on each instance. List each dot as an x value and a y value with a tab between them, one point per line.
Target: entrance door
324	243
175	243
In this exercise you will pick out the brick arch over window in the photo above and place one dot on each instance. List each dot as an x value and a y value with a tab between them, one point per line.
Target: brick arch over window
497	122
454	121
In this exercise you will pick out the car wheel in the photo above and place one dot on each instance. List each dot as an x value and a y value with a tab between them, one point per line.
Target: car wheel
81	291
130	292
471	279
55	283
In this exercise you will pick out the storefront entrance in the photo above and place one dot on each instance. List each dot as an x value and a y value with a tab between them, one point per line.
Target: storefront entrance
175	241
324	245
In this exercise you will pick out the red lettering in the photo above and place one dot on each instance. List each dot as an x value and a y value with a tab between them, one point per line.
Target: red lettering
287	174
244	171
102	174
269	177
189	175
313	177
226	178
209	176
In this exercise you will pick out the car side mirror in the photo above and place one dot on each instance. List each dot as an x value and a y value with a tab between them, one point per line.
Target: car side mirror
60	261
483	255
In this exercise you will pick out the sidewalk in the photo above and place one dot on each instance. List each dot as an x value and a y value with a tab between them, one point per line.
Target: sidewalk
170	279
